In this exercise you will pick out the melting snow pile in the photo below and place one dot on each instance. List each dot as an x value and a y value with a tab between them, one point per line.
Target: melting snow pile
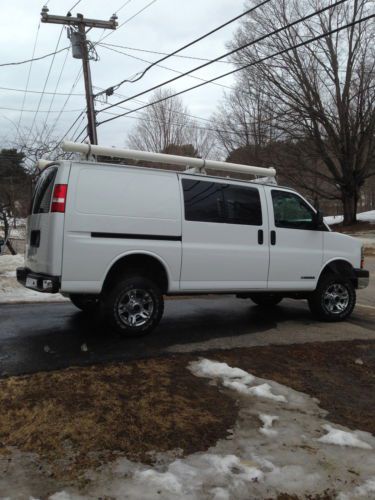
281	444
12	291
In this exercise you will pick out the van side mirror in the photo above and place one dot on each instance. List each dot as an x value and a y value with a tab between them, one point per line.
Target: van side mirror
318	219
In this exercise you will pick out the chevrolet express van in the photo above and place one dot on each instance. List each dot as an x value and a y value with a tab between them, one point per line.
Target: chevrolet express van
118	238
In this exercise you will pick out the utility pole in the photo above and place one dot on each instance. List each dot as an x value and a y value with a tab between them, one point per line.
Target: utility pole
82	49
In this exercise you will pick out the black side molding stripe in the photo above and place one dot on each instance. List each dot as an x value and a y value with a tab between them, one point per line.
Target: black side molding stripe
136	236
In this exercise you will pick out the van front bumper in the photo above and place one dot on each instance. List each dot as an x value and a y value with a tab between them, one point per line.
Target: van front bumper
362	277
36	281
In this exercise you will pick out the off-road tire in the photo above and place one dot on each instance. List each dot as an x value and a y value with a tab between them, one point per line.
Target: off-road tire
266	299
86	303
115	297
322	301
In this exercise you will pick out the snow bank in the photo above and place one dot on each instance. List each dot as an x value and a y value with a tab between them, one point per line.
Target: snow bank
233	378
364	216
252	462
12	292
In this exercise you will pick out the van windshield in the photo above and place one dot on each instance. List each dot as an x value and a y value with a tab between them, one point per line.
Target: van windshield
43	191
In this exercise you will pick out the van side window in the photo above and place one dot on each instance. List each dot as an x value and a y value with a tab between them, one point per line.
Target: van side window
203	201
242	205
290	211
216	202
43	192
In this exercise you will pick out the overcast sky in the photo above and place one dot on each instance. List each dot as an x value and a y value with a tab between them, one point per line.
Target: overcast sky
164	26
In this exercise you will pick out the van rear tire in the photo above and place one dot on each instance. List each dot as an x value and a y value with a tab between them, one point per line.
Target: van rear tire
86	303
134	306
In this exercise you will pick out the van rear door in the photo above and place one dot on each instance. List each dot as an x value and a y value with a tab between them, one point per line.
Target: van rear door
45	224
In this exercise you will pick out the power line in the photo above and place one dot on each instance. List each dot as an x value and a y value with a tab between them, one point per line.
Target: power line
78	77
122	6
191	125
253	42
41	110
75	5
283	51
56	87
126	21
193	42
45	85
161	53
35	58
163	67
27	91
27	82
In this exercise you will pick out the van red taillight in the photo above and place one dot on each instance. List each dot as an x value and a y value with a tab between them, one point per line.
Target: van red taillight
59	198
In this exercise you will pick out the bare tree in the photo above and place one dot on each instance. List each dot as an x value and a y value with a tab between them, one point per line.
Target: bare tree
167	124
14	188
244	121
322	92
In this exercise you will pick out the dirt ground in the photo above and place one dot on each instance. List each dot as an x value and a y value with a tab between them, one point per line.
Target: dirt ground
78	418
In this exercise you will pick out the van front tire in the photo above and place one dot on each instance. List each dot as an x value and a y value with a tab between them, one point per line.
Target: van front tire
334	299
134	306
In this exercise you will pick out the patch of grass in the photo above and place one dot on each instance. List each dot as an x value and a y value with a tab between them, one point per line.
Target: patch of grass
81	416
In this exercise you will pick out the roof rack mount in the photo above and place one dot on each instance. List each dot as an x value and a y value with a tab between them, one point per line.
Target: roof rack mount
193	164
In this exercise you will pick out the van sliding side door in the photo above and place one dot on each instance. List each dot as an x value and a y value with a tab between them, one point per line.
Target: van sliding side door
224	235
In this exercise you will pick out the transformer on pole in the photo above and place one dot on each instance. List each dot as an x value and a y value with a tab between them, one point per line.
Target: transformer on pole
82	49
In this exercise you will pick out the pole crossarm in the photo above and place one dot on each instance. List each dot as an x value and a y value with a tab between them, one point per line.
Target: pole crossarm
76	21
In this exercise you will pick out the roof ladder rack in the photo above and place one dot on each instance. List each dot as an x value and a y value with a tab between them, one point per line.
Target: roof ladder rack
197	165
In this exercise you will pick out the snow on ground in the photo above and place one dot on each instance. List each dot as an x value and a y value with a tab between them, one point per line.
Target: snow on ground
343	438
364	216
11	291
305	455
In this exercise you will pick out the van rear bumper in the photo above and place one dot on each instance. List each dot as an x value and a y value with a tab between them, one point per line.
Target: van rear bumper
36	281
362	277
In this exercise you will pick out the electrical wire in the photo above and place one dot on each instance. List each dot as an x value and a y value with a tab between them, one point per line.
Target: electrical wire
197	127
193	42
39	92
160	53
35	58
75	5
163	67
27	82
78	77
124	22
56	87
122	6
253	42
41	110
283	51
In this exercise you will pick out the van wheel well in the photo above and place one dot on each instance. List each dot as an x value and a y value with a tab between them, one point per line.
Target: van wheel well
144	265
339	268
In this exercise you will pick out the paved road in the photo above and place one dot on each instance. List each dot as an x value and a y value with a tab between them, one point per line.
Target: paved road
37	337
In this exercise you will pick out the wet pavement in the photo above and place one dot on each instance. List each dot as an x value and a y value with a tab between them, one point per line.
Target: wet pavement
38	337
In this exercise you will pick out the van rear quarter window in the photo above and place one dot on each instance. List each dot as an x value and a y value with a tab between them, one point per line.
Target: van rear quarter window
224	203
43	191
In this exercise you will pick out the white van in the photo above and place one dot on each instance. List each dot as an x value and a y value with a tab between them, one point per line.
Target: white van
119	237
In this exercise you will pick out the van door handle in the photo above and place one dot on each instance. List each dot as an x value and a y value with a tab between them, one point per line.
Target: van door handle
260	237
273	237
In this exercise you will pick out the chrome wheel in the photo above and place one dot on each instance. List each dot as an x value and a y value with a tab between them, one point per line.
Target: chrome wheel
135	307
336	298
